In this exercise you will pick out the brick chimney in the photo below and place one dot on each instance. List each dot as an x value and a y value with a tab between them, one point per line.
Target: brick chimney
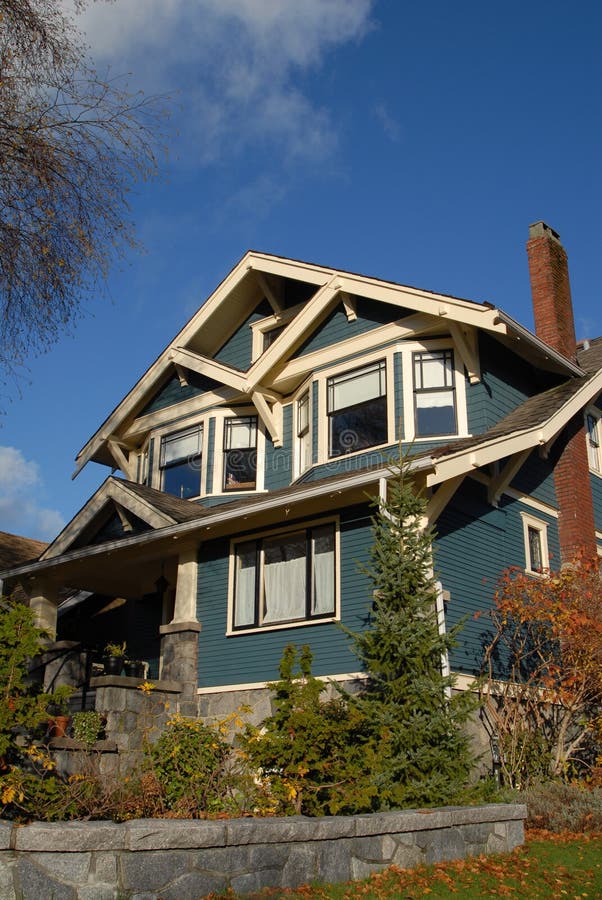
554	324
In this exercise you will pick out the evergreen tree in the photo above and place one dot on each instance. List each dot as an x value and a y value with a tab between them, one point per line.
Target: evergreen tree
422	748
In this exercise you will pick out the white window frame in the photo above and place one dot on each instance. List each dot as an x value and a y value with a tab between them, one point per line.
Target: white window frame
323	419
407	349
298	466
216	489
594	450
530	522
269	323
175	428
275	533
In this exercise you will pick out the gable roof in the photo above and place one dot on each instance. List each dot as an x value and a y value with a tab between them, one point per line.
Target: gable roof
258	276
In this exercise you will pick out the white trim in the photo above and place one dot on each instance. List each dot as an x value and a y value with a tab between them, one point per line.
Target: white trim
265	325
530	522
173	428
277	532
217	487
305	388
407	350
595	414
262	685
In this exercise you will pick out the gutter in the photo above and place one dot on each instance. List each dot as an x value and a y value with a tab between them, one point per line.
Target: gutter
525	335
218	517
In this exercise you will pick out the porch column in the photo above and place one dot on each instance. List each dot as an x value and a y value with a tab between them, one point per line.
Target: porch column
43	600
180	638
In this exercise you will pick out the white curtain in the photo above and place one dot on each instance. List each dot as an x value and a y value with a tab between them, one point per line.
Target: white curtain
181	446
244	603
284	577
323	553
436	398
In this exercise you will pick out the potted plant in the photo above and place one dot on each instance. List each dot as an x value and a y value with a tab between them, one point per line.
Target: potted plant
114	656
87	726
134	668
58	710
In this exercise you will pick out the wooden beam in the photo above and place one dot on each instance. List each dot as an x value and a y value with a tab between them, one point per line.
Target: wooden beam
270	293
209	367
121	459
270	417
498	485
182	376
466	345
441	498
350	306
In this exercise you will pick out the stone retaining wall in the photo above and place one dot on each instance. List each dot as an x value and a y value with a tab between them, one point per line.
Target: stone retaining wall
188	859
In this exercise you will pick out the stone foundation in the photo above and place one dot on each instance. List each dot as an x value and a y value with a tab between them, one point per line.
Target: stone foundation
188	859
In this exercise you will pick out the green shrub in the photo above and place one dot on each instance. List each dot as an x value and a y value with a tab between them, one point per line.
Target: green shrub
311	755
562	807
87	726
193	765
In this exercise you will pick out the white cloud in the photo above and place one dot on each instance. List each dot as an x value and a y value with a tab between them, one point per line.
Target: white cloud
20	508
236	64
389	124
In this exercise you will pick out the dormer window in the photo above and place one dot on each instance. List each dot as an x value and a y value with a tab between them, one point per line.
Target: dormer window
434	393
180	462
240	453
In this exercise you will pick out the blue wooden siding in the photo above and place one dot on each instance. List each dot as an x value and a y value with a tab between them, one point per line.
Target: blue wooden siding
536	478
400	429
279	460
251	658
336	327
506	381
237	350
475	543
173	392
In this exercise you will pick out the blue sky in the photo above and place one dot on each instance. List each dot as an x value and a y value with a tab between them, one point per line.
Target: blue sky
413	142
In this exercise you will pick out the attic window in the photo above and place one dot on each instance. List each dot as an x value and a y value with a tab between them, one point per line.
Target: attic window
270	336
180	462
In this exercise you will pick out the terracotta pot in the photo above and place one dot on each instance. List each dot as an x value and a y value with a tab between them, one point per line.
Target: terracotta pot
57	726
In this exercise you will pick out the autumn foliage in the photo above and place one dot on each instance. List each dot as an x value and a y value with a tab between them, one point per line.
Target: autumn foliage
543	666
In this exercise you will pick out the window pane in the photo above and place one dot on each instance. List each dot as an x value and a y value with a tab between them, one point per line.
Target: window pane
358	427
183	479
356	387
240	456
180	445
433	370
284	577
303	414
240	433
535	555
245	581
435	413
593	442
323	573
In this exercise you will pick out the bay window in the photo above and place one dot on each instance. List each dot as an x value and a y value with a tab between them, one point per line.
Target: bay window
357	409
284	578
304	457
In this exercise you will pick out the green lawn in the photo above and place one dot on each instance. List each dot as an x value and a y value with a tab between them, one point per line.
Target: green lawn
551	868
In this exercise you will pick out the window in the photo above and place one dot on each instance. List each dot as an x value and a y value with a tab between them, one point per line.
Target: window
593	441
357	409
240	453
285	578
180	462
536	544
304	455
434	393
270	336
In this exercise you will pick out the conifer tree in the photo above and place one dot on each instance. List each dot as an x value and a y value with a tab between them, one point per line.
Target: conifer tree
422	754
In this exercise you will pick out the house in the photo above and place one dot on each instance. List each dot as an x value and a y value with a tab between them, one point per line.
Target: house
249	450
